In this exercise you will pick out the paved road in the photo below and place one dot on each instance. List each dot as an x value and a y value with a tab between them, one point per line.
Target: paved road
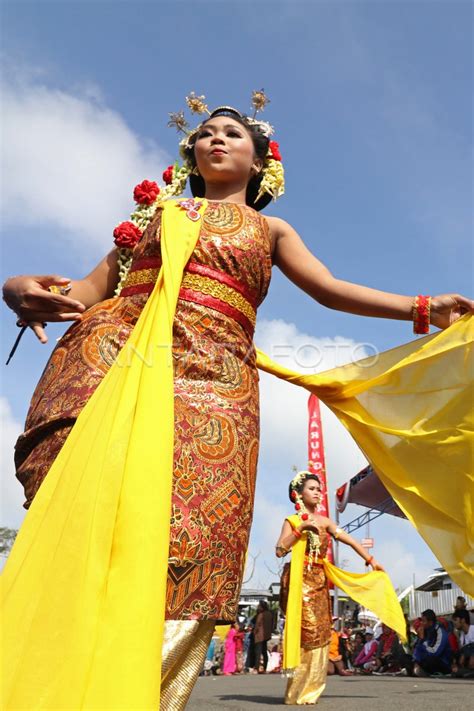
342	694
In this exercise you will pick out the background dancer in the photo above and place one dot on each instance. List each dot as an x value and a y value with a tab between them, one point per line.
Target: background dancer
308	681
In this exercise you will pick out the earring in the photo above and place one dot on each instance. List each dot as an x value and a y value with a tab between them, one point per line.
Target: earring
195	171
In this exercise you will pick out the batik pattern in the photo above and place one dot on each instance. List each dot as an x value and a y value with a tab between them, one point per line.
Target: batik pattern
216	402
316	611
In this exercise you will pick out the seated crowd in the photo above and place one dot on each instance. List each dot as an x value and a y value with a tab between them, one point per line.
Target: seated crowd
435	646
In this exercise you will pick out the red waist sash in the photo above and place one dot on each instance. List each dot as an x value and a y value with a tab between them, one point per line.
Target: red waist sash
201	285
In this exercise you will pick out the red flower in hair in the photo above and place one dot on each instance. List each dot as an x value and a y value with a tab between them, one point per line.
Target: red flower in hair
168	175
297	507
293	495
304	517
127	235
146	192
275	150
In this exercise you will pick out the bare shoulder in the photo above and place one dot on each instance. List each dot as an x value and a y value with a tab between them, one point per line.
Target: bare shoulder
278	229
277	225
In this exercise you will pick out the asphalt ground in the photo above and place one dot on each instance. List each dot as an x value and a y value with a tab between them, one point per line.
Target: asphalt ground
358	693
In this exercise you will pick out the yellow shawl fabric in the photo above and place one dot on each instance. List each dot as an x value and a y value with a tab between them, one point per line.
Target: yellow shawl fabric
84	587
411	413
373	591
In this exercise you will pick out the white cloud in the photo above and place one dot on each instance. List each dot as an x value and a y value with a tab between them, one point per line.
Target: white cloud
12	511
284	419
70	162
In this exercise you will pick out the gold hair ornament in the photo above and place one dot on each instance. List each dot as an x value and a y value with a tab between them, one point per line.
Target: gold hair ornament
314	541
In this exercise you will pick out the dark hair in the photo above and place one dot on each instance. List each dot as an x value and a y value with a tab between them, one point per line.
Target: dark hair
260	144
429	615
263	604
462	615
299	487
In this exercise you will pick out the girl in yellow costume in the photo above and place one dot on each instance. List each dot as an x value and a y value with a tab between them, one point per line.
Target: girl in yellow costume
150	456
308	627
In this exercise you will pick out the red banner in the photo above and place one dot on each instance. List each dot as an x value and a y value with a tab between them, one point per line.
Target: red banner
316	459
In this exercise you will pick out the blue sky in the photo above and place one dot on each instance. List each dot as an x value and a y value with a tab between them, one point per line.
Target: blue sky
371	104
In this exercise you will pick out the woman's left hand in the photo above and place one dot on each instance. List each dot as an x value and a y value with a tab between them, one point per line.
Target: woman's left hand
447	308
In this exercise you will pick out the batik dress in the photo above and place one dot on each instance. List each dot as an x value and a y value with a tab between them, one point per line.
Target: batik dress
216	399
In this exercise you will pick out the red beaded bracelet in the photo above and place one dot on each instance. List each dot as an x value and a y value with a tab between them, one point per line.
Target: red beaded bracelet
296	533
369	560
421	314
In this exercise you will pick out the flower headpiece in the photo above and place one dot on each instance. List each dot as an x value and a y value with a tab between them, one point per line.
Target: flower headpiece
314	541
149	196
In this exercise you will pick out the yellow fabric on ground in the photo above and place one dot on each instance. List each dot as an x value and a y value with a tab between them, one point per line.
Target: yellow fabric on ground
411	413
84	587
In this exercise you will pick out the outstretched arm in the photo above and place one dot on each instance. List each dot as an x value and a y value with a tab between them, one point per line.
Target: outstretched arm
294	259
344	537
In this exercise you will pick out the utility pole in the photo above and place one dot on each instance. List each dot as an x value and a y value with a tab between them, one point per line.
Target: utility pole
336	562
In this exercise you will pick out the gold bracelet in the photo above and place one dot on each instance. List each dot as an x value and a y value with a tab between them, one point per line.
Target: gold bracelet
282	548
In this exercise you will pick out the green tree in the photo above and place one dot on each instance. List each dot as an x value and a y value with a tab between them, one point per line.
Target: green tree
7	539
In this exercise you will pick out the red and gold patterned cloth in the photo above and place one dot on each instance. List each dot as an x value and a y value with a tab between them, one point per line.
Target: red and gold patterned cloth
216	400
316	615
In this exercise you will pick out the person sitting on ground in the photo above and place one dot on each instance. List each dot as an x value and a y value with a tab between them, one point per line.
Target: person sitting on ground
209	662
358	642
464	663
460	604
344	649
274	660
335	662
452	637
366	658
432	653
390	657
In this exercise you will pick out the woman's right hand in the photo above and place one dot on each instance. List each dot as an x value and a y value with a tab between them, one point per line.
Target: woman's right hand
29	298
309	525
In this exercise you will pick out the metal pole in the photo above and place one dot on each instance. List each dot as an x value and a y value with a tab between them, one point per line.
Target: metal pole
336	562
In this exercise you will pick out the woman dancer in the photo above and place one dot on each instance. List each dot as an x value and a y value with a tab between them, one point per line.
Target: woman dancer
126	453
306	683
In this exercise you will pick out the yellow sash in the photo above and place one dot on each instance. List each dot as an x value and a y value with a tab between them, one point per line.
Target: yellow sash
373	591
411	413
84	587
